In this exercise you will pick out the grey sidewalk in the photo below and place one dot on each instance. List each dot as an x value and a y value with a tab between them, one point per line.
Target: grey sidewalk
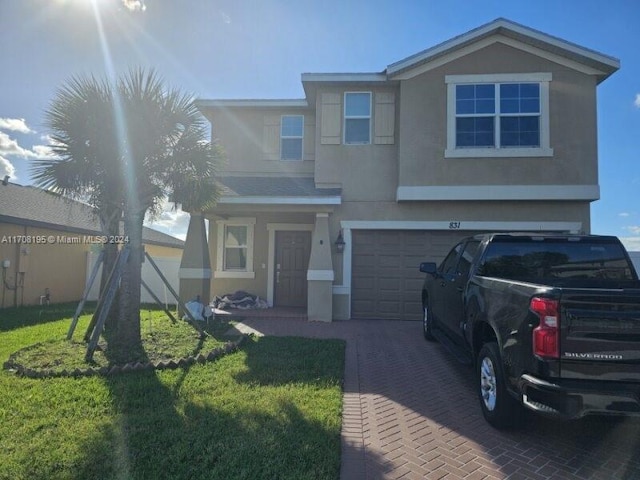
410	412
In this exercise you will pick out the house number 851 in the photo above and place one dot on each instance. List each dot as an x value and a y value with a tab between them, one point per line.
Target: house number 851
454	225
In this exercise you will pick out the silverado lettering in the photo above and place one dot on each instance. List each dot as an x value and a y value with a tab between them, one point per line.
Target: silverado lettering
551	322
594	356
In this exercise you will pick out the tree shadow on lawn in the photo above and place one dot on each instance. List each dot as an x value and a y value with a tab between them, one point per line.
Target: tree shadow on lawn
19	317
206	422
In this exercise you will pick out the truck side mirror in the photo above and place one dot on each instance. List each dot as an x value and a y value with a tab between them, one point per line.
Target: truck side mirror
429	267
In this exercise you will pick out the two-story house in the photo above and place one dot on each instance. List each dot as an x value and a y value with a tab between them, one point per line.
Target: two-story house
330	202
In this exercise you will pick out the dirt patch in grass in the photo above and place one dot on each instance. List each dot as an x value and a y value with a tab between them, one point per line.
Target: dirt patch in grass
162	343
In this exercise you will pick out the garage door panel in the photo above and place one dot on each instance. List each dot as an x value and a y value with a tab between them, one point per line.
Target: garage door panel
413	284
390	284
386	281
386	307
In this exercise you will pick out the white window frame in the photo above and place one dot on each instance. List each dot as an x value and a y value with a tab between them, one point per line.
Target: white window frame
291	137
356	117
544	150
221	226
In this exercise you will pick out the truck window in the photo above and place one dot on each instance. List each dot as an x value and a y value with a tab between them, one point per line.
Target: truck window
533	260
468	254
448	265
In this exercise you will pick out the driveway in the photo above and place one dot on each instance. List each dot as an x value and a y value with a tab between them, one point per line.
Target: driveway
411	412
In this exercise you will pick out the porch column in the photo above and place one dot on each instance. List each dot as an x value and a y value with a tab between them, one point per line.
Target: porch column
320	273
195	267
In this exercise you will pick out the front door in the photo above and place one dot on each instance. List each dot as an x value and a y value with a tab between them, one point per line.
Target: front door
292	261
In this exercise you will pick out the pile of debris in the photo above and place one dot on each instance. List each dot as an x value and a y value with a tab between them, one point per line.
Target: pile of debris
239	300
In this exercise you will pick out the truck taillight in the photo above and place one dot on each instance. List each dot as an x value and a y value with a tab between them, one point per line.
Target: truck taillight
546	335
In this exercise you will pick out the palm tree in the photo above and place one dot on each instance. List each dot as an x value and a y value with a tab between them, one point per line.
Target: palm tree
84	141
127	147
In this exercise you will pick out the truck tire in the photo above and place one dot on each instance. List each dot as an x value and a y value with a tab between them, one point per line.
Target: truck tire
499	408
427	321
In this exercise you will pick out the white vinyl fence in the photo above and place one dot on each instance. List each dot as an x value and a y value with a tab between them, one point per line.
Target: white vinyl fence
169	266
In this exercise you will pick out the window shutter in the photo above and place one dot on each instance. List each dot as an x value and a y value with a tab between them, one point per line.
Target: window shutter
331	119
384	118
271	137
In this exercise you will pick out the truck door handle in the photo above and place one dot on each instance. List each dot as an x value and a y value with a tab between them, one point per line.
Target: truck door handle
460	289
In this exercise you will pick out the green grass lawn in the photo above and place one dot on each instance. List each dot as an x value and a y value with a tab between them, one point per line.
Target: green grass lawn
270	410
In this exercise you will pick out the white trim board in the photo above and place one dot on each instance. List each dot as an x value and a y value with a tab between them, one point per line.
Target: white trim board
449	50
500	192
320	275
248	102
334	200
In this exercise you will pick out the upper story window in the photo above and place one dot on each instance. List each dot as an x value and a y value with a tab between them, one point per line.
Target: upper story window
291	137
357	118
498	115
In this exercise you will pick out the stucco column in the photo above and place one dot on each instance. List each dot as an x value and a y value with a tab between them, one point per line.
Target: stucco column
195	267
320	273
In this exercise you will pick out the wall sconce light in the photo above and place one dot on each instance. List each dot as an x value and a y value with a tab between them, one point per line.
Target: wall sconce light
340	243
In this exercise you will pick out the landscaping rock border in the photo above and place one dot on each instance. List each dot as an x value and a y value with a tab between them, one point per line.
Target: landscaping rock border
111	370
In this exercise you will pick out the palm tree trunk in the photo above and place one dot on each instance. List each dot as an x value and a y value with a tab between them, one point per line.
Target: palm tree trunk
127	339
111	228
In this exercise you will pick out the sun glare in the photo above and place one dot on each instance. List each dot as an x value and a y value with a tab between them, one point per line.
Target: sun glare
132	5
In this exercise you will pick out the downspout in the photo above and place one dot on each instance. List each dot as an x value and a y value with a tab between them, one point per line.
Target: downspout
16	270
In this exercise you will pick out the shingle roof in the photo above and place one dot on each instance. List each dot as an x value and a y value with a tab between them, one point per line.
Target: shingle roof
27	205
298	189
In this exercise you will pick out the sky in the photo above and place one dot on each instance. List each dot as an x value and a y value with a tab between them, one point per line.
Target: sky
259	49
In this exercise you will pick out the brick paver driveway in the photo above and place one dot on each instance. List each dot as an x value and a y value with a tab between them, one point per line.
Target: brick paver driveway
410	411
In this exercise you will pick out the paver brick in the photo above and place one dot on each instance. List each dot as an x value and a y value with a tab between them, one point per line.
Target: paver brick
410	411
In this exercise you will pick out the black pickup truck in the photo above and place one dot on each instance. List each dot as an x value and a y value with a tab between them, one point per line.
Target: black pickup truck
551	322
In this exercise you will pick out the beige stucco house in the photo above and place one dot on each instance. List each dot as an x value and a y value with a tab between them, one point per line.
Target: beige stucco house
330	202
49	243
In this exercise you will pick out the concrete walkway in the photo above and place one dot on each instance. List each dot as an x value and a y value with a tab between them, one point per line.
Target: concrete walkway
411	412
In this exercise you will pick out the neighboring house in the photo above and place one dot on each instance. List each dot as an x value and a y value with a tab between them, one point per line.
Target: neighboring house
493	130
48	244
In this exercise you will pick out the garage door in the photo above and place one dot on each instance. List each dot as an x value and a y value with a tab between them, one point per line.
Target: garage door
386	282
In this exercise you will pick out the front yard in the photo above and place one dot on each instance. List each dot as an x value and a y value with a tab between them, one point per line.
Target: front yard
270	410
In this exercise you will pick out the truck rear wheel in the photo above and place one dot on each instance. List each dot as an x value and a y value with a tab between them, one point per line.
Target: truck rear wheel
498	406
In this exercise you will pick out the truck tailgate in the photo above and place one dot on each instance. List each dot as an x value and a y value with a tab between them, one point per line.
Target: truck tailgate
600	334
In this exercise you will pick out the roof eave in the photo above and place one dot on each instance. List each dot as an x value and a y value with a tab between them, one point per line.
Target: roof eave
251	103
284	200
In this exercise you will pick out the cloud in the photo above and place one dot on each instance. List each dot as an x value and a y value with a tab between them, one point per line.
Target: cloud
225	18
171	221
623	214
637	100
632	244
9	146
634	229
15	125
135	5
6	168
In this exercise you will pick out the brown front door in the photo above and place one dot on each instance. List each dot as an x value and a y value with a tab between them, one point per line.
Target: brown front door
292	261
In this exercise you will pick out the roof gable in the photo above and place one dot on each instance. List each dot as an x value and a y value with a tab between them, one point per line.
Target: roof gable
513	34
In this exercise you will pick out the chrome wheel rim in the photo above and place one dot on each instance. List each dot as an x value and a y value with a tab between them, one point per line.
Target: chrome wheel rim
488	384
425	319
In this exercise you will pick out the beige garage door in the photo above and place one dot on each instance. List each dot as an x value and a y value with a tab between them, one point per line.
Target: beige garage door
386	282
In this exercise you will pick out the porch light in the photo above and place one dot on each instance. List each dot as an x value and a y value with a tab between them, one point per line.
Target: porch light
340	243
